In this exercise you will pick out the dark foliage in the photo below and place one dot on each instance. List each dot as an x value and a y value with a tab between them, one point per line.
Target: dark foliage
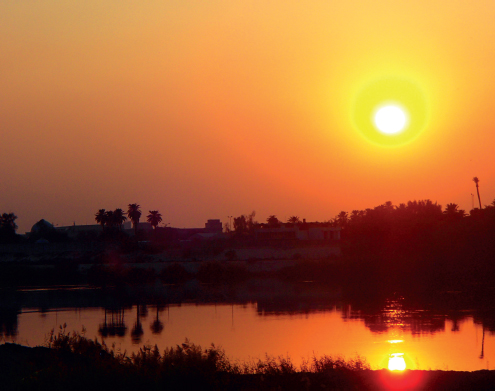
215	272
69	361
174	274
419	247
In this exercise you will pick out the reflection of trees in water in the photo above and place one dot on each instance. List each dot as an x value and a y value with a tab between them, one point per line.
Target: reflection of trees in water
157	325
114	324
487	320
8	321
10	308
137	331
293	306
394	315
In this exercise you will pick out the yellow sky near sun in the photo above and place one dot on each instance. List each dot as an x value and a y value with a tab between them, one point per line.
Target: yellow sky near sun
208	109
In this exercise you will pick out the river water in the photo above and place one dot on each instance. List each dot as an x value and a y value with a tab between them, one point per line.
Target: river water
251	320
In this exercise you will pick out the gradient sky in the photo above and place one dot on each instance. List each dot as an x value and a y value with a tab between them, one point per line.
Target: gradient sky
205	109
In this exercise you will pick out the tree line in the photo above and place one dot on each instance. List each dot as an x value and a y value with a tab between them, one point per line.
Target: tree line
115	218
8	227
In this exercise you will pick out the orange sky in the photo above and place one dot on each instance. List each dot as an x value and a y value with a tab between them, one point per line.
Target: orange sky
205	109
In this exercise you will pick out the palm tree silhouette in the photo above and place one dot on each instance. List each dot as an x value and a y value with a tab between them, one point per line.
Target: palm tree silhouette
134	213
476	180
294	220
154	218
109	219
452	211
119	217
101	218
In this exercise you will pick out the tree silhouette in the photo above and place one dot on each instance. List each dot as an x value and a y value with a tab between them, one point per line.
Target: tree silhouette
119	217
240	224
109	219
245	224
272	221
452	211
342	219
8	227
476	180
293	220
8	222
154	218
134	214
101	218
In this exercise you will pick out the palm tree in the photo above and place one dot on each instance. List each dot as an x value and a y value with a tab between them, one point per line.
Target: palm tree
134	213
476	180
154	218
452	211
101	218
294	220
119	217
109	219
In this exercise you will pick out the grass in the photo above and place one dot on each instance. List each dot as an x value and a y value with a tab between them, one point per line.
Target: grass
189	357
69	360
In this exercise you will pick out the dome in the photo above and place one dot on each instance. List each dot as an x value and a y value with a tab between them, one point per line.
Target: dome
42	226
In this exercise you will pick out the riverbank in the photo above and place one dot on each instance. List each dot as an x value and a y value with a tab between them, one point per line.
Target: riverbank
76	363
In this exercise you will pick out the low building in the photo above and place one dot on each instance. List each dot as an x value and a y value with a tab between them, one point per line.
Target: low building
212	226
74	230
212	229
299	231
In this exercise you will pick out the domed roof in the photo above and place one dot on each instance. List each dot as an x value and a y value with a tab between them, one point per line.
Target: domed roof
42	226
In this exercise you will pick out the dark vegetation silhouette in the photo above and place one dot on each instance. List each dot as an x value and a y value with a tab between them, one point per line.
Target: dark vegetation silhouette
272	221
414	246
72	361
110	221
8	228
417	246
134	214
244	225
154	218
293	220
101	218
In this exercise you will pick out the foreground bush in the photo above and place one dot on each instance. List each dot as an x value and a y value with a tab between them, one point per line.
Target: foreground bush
72	361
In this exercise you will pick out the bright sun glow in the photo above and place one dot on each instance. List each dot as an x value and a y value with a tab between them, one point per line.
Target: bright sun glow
390	111
396	362
390	119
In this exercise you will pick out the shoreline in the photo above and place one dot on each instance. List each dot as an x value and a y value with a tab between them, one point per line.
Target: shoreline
95	366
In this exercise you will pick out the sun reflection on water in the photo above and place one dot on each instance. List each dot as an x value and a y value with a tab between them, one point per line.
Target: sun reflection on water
396	362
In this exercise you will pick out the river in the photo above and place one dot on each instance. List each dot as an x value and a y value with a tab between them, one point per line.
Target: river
251	320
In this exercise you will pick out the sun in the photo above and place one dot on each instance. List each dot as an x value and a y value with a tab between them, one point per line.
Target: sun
396	362
390	111
390	119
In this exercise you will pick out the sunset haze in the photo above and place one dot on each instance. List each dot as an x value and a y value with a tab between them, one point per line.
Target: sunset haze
211	109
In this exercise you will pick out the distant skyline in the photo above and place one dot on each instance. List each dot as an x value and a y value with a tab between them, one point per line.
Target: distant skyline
213	109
